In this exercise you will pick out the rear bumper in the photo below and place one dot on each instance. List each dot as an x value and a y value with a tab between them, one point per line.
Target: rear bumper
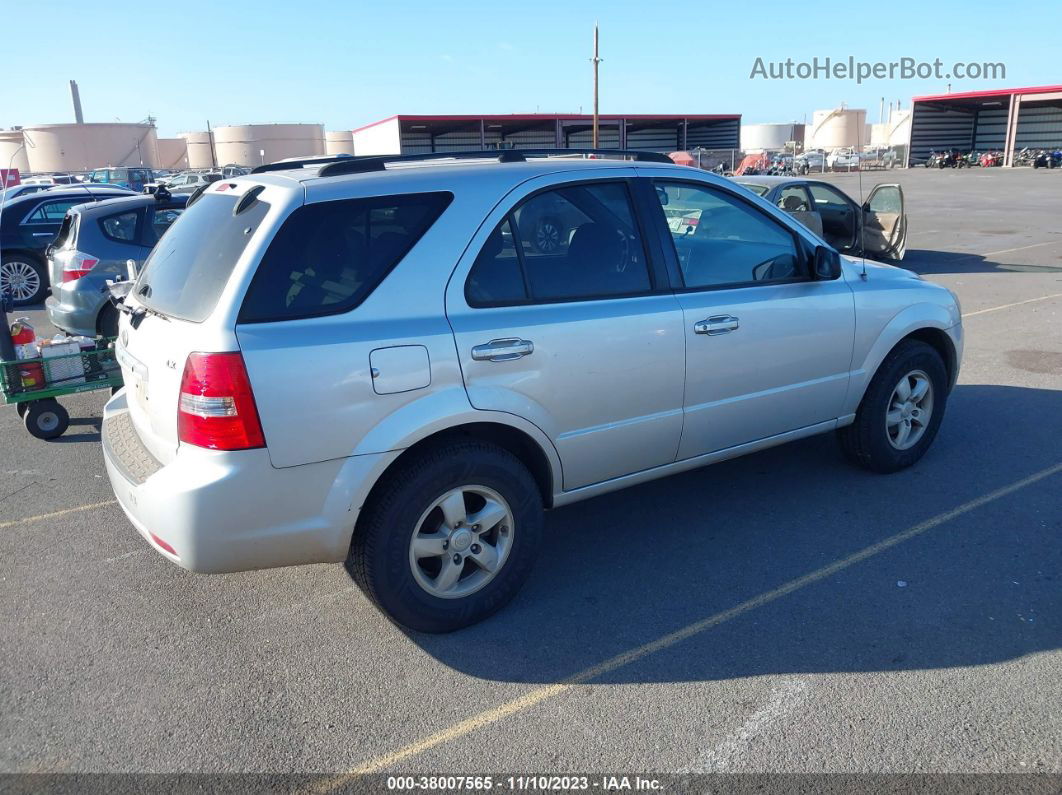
233	511
74	311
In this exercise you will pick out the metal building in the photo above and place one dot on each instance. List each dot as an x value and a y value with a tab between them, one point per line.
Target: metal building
82	147
664	133
255	144
1007	119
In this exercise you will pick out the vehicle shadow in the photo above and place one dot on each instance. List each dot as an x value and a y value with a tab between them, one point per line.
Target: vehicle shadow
928	261
625	569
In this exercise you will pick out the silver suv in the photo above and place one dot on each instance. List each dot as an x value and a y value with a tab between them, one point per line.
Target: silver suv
371	360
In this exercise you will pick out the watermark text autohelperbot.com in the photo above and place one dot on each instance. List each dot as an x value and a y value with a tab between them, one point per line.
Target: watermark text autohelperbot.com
851	69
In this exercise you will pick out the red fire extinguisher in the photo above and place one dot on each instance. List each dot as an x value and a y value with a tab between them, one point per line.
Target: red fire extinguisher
23	336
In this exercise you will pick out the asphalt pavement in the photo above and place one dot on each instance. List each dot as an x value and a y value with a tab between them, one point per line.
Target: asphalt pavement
781	612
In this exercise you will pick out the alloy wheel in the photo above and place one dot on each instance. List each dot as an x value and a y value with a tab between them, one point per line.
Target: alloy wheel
910	409
19	280
461	542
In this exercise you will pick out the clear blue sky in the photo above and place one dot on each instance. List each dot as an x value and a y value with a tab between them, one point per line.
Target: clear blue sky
345	64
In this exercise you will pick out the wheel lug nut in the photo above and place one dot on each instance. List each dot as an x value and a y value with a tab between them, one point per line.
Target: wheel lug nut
457	558
475	549
475	528
446	544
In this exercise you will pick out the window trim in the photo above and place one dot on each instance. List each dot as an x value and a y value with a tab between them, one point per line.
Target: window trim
671	253
658	283
135	240
46	203
445	197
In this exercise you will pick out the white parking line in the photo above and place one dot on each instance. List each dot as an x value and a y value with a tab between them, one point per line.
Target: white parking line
1008	306
780	705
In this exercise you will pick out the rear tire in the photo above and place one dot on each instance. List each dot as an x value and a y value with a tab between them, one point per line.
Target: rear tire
891	433
107	323
46	419
394	557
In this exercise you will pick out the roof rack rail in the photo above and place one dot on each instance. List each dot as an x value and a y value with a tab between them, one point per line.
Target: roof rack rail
285	165
359	165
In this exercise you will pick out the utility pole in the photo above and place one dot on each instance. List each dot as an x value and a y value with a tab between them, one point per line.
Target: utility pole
596	61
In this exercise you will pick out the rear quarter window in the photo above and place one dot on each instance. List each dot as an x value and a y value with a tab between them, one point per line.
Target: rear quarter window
328	257
186	272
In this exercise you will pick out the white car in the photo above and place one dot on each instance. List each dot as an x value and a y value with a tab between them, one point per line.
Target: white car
368	360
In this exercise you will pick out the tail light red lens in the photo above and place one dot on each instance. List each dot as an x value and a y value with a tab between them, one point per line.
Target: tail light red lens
217	408
77	264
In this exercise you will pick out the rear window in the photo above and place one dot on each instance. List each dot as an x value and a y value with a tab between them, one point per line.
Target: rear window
329	256
186	271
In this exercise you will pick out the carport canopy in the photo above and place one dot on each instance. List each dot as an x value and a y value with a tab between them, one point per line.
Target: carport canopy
1008	119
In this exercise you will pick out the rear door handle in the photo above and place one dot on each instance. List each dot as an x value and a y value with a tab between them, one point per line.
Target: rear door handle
503	350
716	324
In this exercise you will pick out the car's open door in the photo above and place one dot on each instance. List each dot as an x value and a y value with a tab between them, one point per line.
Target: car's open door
885	222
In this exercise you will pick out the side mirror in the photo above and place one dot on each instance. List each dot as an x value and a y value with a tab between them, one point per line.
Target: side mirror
827	263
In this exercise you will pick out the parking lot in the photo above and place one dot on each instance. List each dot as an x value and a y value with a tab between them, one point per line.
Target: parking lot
781	612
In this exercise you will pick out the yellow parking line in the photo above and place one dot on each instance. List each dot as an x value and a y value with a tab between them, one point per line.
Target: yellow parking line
1016	303
42	516
545	692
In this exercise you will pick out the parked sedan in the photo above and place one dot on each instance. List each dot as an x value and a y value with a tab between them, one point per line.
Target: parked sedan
23	189
28	225
95	244
188	183
877	228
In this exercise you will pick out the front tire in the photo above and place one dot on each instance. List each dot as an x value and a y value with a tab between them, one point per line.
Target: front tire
449	538
901	411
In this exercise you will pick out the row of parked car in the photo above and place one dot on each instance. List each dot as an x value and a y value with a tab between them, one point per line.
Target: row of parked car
71	240
70	233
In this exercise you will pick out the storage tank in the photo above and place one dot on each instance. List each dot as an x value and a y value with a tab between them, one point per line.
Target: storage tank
83	147
173	153
198	149
339	142
244	144
837	128
894	132
758	137
10	156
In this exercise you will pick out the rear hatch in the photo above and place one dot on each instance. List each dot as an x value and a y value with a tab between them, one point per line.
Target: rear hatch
66	240
186	298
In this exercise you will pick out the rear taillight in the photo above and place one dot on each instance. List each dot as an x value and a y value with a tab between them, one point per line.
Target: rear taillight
77	264
216	408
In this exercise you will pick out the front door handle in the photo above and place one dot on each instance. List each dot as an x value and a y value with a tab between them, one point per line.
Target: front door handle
716	324
503	350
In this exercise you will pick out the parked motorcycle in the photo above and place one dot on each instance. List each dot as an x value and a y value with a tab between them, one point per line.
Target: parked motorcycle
991	159
1047	158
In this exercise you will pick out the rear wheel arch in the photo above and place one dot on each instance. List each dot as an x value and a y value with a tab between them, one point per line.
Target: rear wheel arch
524	447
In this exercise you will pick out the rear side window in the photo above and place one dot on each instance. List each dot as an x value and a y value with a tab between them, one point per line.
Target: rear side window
120	227
53	212
328	257
186	271
578	242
